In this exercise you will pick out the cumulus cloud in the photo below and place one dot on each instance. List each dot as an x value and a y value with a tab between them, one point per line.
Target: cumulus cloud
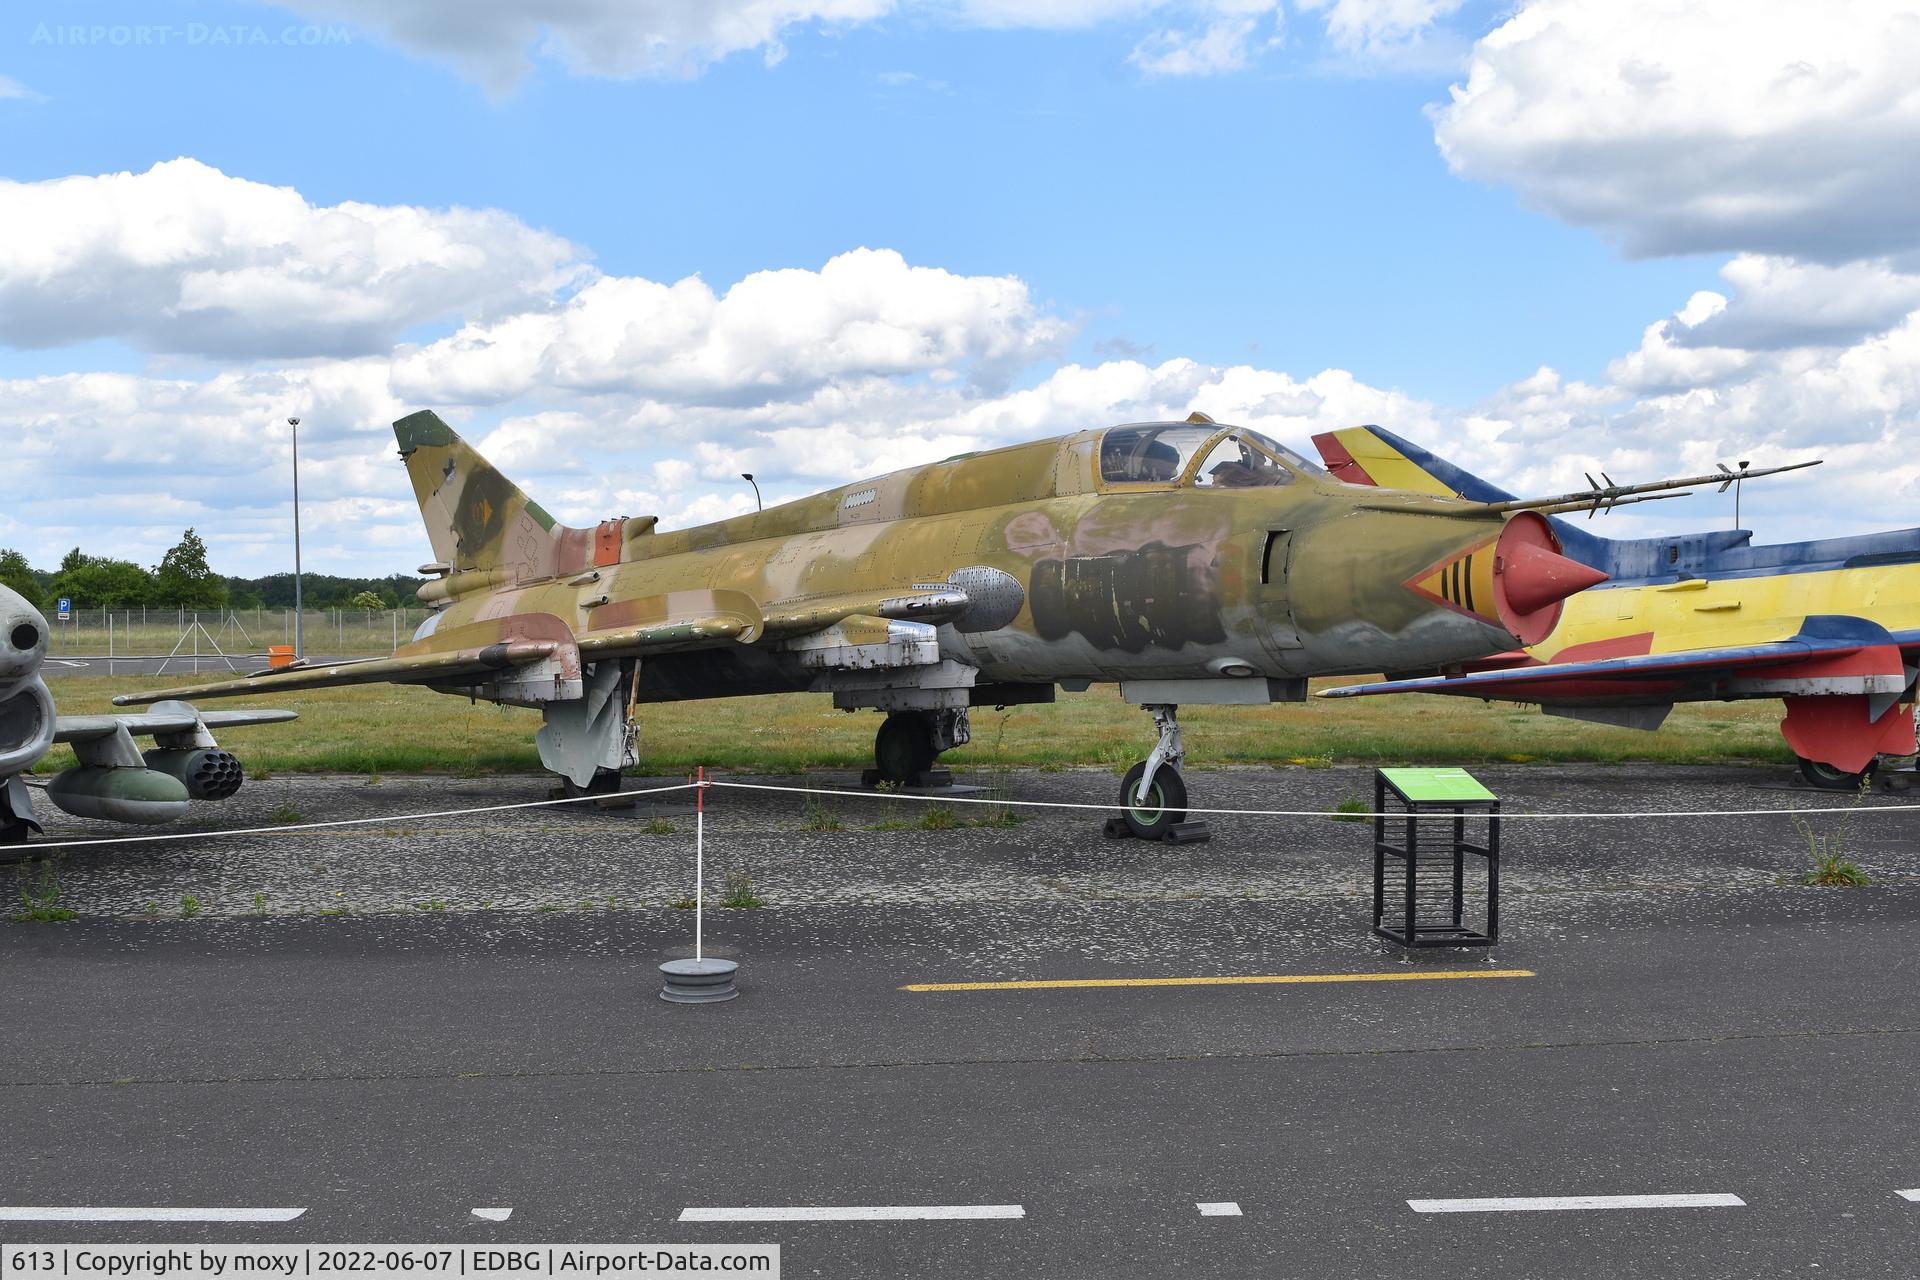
1377	28
1778	303
160	453
773	335
1231	32
1786	135
491	40
1667	360
495	41
1668	409
185	259
120	463
1763	126
155	454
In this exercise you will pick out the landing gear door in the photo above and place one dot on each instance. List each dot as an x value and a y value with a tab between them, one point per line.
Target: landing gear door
1273	603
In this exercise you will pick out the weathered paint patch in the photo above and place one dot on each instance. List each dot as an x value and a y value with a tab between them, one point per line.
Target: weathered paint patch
1158	596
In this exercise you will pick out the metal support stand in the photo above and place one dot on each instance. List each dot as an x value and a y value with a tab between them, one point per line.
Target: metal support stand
699	980
1431	810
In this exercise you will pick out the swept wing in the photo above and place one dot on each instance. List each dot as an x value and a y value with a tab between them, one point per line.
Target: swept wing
640	627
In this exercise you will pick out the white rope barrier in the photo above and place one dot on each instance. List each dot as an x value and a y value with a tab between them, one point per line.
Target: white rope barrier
1505	815
377	820
706	784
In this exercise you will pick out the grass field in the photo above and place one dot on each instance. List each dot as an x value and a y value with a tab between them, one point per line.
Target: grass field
383	729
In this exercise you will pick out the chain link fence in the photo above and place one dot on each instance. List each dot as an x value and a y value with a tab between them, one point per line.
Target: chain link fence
159	633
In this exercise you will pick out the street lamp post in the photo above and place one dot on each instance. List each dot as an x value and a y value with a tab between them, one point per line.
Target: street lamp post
299	651
757	504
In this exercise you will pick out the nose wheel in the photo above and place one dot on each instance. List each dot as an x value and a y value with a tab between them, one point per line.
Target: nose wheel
1151	811
1153	795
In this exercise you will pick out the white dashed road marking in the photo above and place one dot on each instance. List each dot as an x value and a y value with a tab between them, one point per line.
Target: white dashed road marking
1528	1204
1218	1209
853	1213
1909	1195
493	1215
82	1213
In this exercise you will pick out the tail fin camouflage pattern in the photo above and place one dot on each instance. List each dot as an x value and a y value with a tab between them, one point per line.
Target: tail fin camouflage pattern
476	518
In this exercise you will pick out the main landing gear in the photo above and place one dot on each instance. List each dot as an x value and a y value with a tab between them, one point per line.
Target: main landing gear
17	824
909	742
605	782
1153	796
1832	778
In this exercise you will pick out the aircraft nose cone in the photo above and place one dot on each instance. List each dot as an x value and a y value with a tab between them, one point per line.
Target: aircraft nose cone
1531	577
1535	577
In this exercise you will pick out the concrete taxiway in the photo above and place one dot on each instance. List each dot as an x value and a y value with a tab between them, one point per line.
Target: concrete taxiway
1678	1060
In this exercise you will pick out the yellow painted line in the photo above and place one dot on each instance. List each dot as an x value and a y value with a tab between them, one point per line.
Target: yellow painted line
1248	980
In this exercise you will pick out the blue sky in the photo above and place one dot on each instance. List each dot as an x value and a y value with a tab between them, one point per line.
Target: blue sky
1298	211
1291	214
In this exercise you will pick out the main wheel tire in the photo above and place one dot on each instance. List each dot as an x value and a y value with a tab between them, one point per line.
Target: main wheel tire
605	783
1828	778
903	748
1166	801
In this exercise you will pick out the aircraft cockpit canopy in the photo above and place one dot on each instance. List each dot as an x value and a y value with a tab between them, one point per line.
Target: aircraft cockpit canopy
1204	457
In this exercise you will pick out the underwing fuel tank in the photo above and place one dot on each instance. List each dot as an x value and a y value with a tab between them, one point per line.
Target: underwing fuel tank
144	796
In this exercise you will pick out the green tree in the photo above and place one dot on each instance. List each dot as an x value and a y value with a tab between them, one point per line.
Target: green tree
95	582
366	600
183	579
17	575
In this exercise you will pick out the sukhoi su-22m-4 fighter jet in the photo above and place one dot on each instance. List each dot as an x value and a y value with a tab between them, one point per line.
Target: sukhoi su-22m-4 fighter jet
1189	562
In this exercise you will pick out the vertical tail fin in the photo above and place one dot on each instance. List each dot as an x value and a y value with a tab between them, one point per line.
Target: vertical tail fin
1376	456
476	518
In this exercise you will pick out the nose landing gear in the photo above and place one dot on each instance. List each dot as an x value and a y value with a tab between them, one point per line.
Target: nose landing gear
1153	795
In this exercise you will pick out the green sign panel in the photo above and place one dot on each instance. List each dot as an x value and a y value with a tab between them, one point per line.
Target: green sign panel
1444	786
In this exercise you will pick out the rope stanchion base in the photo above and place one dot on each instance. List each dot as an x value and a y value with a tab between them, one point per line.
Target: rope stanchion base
707	981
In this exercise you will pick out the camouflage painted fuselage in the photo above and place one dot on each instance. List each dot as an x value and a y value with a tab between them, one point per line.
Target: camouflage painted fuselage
1072	577
1190	562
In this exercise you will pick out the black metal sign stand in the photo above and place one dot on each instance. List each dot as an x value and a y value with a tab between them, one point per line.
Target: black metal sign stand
1429	885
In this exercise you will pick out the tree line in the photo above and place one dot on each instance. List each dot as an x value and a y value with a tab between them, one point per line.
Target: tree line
184	580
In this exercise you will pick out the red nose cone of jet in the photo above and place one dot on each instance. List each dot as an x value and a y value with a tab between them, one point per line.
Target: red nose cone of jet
1536	577
1531	577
